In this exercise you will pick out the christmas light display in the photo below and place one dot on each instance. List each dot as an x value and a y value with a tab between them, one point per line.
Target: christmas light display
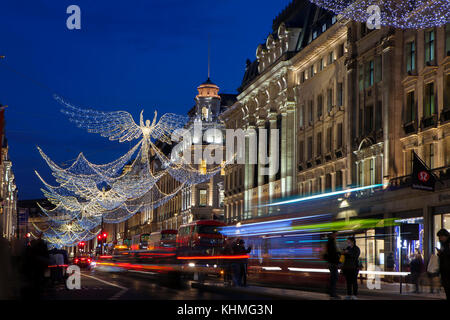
87	194
404	14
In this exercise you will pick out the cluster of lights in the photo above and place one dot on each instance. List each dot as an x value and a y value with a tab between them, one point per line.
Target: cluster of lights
404	14
88	193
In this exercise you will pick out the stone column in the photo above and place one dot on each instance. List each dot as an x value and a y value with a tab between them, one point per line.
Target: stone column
261	126
273	125
283	160
249	172
291	154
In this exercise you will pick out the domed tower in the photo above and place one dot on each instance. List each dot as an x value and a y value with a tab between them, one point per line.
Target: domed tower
207	101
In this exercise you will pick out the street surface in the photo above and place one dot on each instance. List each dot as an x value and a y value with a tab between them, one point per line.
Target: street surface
133	286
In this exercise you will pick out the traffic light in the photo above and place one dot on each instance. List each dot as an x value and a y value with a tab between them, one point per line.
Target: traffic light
105	235
81	244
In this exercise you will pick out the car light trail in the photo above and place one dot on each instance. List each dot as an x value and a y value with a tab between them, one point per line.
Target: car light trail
246	256
384	273
323	195
272	268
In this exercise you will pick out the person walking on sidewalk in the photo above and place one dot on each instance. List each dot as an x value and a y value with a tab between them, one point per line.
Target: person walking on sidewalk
350	267
417	268
433	271
444	260
332	257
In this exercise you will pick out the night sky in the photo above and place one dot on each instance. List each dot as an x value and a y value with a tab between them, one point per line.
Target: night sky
128	55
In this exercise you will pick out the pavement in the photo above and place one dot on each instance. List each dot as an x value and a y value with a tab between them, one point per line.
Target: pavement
387	291
97	285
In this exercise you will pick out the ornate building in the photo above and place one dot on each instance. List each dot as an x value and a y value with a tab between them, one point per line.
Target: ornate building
350	105
8	189
202	200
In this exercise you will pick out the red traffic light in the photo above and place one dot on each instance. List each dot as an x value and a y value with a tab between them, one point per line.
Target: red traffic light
104	235
99	237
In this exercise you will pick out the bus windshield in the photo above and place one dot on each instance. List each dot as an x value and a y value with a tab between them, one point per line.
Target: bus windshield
168	236
207	229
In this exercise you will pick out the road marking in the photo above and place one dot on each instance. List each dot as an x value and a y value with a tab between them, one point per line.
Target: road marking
117	295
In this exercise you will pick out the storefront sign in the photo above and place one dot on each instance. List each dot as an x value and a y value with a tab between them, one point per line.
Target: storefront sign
422	178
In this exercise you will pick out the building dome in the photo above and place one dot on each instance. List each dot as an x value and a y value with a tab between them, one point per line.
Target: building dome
208	89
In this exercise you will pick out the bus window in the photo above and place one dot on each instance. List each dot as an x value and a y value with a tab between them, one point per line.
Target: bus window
207	229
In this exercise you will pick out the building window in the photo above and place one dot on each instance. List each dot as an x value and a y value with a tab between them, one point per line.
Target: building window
302	77
202	201
203	167
301	152
327	182
409	162
329	99
329	139
339	182
310	148
311	71
319	106
319	185
379	116
361	78
339	136
340	96
410	107
447	92
221	197
429	101
378	69
372	171
333	20
321	64
429	46
429	155
369	73
447	39
410	56
300	115
324	27
319	143
311	111
330	58
314	35
340	50
368	126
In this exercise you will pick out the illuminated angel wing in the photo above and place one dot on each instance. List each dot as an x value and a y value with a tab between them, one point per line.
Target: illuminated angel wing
166	125
116	125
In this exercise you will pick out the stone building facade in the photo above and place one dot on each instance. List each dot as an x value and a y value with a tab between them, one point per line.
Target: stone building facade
351	104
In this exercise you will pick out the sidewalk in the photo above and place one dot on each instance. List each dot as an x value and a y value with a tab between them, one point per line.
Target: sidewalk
387	292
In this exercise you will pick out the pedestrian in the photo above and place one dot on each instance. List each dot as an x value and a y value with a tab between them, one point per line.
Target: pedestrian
332	256
390	265
243	262
444	260
227	272
350	267
417	268
433	271
40	261
5	268
236	266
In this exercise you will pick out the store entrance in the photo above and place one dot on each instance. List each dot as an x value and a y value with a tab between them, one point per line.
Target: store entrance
408	241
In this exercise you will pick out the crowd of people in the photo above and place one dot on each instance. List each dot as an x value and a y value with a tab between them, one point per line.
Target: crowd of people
235	271
437	266
23	265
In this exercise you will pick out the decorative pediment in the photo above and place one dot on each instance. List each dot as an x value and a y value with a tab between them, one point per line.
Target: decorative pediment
276	45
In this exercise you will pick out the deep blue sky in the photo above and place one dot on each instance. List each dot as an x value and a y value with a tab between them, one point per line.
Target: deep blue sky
128	55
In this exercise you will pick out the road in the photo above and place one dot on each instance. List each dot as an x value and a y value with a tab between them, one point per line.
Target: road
132	286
